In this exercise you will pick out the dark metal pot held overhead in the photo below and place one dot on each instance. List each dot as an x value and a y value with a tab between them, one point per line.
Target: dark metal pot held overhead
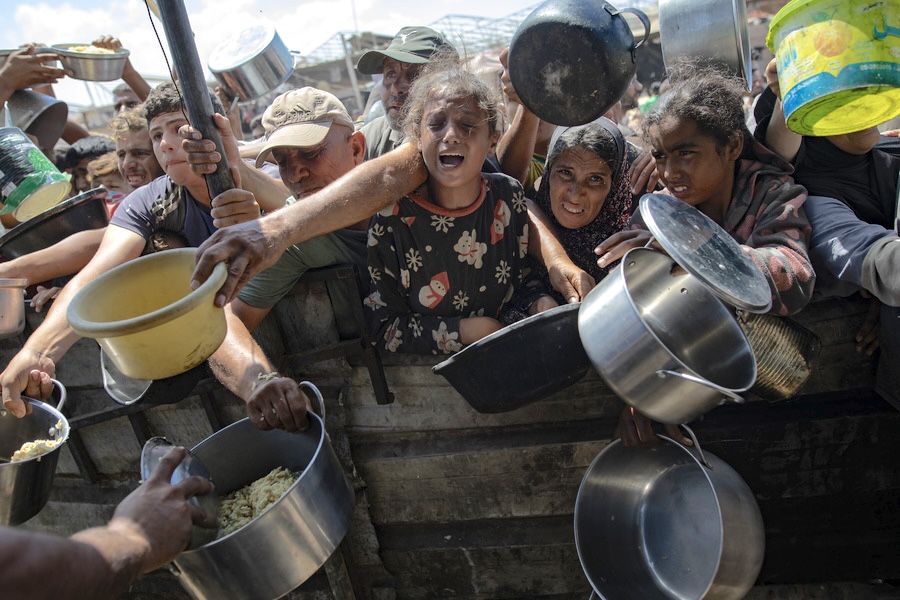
571	60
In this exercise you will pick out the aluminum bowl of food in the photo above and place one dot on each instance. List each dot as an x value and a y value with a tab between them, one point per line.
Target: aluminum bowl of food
92	63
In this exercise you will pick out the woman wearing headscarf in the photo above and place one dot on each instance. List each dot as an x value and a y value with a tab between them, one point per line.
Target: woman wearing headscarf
585	192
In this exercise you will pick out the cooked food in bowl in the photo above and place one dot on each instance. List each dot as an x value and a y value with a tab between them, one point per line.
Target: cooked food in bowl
92	63
35	448
91	49
242	506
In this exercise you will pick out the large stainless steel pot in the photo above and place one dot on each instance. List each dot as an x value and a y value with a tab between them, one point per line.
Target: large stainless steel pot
252	64
714	30
12	307
662	341
25	485
287	543
667	523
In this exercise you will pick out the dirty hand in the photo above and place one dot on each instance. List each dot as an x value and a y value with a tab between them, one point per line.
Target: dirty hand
28	373
202	154
615	246
505	81
234	206
107	41
635	429
278	403
24	69
43	296
570	281
772	78
247	247
158	516
643	175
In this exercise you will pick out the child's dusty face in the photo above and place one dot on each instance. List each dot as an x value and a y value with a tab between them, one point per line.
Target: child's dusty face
166	142
691	165
455	138
114	183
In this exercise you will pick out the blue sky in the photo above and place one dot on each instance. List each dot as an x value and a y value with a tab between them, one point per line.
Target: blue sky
302	25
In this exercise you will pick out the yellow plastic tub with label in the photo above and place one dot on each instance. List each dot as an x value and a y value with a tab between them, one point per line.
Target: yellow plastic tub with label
838	64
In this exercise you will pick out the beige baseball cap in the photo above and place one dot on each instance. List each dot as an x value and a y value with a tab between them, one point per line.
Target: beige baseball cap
301	119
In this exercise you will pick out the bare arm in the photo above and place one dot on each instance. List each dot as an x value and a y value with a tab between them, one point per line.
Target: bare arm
241	366
566	277
130	76
65	257
148	529
779	139
516	147
24	69
49	342
251	247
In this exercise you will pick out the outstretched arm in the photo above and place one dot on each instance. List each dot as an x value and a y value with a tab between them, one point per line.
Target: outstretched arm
250	247
65	257
148	529
779	139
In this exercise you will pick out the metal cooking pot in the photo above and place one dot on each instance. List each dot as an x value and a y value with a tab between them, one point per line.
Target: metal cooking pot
667	523
253	63
571	60
41	115
709	29
85	211
520	364
126	390
12	307
663	342
289	541
25	485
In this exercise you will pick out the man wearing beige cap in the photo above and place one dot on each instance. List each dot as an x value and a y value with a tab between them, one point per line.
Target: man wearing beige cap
399	64
311	138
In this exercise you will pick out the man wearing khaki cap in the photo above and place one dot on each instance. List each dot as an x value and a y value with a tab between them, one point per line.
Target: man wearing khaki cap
399	64
311	138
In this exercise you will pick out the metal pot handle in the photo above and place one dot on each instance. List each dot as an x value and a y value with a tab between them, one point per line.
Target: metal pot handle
694	439
693	378
62	394
640	15
312	387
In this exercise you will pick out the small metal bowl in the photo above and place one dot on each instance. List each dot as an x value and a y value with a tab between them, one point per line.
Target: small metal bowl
92	67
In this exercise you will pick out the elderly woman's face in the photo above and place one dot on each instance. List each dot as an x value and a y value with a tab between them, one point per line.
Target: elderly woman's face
579	184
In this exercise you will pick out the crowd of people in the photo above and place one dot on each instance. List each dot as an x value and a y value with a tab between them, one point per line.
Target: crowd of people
463	210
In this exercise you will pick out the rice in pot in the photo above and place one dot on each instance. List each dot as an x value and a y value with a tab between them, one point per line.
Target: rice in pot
242	506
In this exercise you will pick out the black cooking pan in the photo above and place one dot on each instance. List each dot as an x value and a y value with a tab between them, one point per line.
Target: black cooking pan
84	211
571	60
520	364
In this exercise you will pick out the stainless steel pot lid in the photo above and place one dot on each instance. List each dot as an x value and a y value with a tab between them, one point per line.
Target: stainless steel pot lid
707	252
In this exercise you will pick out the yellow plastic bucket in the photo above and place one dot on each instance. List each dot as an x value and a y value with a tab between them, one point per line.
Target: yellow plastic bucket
838	64
146	317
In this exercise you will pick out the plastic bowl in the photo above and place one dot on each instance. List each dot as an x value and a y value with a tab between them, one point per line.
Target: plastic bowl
146	317
92	67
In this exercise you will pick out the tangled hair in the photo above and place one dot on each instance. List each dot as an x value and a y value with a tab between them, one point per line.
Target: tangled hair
102	165
447	77
127	121
166	98
705	95
590	137
91	146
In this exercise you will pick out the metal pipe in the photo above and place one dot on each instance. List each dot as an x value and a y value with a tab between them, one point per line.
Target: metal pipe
193	86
